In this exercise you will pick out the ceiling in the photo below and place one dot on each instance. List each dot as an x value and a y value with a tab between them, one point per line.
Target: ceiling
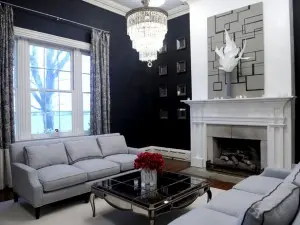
169	4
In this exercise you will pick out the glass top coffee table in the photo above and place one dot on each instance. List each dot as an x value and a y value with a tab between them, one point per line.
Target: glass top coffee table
173	191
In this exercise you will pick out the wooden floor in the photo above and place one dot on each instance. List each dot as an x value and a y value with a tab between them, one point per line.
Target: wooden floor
171	165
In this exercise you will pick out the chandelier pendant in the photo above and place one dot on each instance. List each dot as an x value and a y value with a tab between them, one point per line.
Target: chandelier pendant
147	28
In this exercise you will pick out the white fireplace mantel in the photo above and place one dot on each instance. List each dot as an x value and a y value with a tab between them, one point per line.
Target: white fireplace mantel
273	113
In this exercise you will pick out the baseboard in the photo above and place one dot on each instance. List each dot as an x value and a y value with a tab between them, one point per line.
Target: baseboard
178	154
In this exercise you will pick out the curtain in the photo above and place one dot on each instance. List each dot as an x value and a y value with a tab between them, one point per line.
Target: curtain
100	84
7	133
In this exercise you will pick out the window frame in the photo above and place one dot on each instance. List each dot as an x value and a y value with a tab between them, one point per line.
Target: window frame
24	38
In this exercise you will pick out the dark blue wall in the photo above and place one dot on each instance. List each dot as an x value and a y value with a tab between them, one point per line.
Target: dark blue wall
130	82
134	86
173	133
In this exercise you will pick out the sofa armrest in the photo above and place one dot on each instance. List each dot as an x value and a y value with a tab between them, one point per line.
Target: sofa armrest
135	151
276	173
26	183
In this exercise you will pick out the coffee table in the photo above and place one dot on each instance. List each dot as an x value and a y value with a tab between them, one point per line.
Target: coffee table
173	191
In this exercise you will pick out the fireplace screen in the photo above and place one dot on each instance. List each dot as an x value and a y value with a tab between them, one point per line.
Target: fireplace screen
236	154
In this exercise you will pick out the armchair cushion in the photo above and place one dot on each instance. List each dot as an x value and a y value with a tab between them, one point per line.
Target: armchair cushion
233	202
98	168
60	176
126	161
279	207
112	145
294	176
83	149
258	184
41	156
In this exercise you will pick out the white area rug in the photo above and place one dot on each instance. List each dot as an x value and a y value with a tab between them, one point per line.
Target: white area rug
78	213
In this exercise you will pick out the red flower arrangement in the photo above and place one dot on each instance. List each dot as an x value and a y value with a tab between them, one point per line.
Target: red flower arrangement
149	161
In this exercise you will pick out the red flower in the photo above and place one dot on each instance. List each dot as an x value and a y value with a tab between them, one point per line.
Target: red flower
150	161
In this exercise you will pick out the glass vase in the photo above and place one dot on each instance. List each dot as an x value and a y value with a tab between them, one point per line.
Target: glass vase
149	178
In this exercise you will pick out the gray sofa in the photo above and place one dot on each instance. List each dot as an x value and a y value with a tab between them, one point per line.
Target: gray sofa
271	198
46	171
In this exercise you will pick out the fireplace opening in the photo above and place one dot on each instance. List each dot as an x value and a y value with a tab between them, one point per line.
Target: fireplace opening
238	156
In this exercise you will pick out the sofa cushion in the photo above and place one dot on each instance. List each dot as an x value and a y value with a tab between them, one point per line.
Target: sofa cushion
40	156
203	216
258	184
83	149
98	168
60	176
294	176
233	202
112	145
279	207
297	219
126	161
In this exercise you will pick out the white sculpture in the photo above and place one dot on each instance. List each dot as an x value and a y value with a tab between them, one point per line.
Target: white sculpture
230	55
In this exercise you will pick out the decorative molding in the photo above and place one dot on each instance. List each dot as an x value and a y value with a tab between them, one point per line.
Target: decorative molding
173	153
49	38
122	10
110	6
272	113
178	11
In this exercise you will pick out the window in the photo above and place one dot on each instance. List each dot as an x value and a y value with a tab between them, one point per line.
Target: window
54	96
50	87
86	92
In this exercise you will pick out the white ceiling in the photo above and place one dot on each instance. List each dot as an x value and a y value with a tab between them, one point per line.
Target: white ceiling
169	4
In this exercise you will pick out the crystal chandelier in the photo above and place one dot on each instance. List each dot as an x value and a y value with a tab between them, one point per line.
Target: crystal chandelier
147	27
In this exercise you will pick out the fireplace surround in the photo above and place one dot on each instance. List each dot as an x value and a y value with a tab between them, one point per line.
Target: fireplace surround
273	114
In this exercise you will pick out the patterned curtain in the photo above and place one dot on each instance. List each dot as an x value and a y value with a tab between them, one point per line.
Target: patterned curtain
7	133
100	85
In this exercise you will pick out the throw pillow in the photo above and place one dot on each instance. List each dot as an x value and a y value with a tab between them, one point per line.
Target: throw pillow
294	176
41	156
279	207
112	145
83	149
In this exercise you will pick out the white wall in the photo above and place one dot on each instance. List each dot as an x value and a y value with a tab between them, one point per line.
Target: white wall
278	43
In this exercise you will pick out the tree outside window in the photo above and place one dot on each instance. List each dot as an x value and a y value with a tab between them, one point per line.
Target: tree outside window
51	90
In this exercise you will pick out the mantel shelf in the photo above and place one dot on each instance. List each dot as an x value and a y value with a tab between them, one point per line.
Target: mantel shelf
240	100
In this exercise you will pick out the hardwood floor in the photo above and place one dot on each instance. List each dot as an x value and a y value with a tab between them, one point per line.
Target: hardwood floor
176	166
171	165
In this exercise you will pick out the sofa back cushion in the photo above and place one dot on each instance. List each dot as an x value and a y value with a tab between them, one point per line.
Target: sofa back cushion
279	207
112	145
294	176
83	149
41	156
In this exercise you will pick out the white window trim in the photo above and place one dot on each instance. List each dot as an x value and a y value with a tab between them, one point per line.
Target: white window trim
24	38
51	39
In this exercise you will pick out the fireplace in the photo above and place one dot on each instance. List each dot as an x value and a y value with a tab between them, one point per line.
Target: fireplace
236	155
266	119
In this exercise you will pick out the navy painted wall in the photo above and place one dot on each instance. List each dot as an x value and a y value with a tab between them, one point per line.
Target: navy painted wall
130	82
173	133
134	86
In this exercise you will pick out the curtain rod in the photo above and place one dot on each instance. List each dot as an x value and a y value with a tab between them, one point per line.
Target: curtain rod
52	16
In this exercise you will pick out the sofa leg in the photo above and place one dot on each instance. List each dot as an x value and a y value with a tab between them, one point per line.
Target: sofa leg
87	198
16	197
37	212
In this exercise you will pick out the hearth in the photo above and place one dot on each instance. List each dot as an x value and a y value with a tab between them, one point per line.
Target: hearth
237	156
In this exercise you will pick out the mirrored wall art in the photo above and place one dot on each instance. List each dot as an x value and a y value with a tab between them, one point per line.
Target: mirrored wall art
180	43
181	90
181	113
163	91
181	66
164	114
162	70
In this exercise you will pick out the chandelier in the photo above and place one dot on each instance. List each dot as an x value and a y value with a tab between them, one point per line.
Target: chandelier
147	27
